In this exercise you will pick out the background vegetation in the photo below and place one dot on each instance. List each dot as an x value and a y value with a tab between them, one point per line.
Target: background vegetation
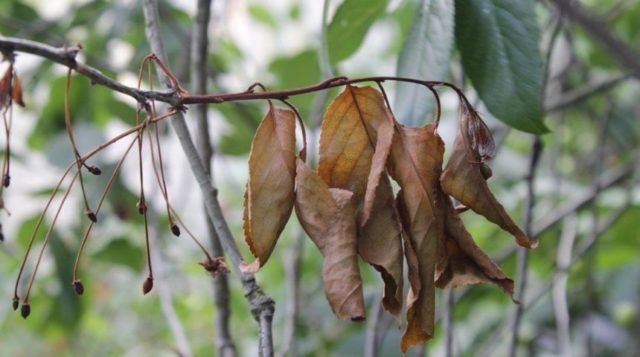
582	288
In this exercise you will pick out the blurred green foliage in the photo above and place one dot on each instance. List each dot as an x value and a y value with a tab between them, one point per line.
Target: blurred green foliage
113	318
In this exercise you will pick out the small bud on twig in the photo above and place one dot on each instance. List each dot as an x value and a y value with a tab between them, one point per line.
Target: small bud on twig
92	216
175	230
25	310
94	170
147	286
79	288
16	303
142	207
6	180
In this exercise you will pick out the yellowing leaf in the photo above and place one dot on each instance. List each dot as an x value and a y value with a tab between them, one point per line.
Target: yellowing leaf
355	141
328	217
269	195
464	179
416	164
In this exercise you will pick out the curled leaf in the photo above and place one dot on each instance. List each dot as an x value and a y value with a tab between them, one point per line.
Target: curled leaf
5	88
16	91
380	244
269	195
355	142
464	179
328	217
416	164
466	262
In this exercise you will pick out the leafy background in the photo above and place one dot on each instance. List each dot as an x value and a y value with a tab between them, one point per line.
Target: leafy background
494	49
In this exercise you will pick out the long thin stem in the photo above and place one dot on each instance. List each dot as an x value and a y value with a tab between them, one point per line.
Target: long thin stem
106	189
35	230
76	153
46	239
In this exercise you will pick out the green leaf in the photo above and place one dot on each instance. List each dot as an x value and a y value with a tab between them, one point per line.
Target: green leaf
350	25
262	14
244	120
425	55
121	252
498	41
299	70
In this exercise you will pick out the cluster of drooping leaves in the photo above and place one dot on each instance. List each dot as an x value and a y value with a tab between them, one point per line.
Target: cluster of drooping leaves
349	208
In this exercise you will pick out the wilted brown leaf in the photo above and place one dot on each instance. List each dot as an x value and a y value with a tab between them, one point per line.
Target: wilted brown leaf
328	217
16	92
380	244
416	164
355	141
466	262
464	179
5	88
269	195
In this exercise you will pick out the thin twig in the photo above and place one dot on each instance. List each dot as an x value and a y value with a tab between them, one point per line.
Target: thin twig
523	254
199	75
292	304
594	26
583	248
262	306
559	292
176	96
66	56
166	298
584	92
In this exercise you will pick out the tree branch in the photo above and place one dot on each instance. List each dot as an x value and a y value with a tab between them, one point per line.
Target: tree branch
584	92
66	56
262	306
598	30
559	291
523	253
199	75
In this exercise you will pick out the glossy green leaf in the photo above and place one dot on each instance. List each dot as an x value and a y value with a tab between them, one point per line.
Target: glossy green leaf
425	55
498	41
350	25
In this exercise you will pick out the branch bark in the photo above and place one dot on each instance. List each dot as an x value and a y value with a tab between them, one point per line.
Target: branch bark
262	306
199	75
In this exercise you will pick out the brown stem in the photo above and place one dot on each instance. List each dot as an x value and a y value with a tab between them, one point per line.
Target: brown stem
37	227
25	301
76	153
106	189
